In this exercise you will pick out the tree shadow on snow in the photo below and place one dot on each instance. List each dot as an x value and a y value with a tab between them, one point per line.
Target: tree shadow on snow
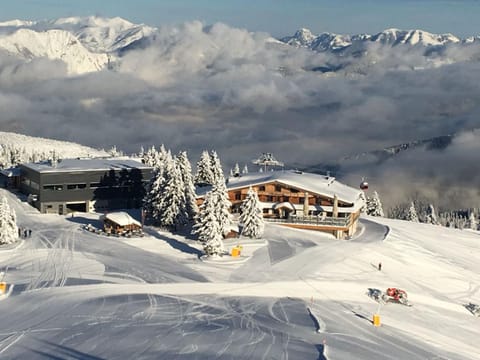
321	352
50	350
97	223
178	245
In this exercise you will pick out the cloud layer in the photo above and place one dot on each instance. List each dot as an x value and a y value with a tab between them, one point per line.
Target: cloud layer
195	87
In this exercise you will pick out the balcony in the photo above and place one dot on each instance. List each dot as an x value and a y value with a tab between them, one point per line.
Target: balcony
314	220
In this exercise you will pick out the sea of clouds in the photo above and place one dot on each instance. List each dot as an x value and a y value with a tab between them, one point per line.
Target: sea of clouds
194	87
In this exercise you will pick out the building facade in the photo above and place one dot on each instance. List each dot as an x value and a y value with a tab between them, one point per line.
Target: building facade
85	185
301	200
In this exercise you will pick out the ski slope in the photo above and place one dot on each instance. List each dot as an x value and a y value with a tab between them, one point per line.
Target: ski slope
295	294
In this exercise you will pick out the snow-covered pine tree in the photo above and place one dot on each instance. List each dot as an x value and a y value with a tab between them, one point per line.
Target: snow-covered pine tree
207	226
148	156
8	223
204	175
236	170
374	205
172	209
251	217
431	217
154	197
411	214
245	169
223	205
472	221
216	166
185	169
114	152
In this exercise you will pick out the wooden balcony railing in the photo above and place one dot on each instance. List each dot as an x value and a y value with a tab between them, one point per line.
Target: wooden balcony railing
314	220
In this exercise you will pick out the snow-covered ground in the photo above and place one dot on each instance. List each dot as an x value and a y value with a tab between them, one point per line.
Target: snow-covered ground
295	294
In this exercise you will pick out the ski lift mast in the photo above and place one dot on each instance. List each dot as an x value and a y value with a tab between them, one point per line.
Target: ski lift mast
267	159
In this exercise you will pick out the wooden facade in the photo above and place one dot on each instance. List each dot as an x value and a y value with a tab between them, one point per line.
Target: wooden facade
300	206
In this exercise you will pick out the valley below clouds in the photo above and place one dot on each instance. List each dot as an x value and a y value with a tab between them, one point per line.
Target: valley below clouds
194	87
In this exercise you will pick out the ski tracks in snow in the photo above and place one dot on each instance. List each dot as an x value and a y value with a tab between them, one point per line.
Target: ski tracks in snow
55	267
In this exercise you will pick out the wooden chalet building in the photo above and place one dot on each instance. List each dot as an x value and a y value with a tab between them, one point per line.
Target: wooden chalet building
300	200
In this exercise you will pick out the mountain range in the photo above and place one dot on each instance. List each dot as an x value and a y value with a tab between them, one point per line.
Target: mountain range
89	44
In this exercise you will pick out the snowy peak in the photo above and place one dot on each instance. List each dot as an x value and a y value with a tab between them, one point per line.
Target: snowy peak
103	34
389	37
303	37
394	37
28	44
85	44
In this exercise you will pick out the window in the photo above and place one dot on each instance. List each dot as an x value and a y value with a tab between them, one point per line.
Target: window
286	199
53	187
278	188
294	190
238	195
34	185
76	186
261	188
95	185
270	198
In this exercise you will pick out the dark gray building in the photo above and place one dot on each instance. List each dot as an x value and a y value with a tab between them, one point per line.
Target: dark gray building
85	184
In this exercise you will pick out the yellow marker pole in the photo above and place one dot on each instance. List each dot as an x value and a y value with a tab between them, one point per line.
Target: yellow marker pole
376	316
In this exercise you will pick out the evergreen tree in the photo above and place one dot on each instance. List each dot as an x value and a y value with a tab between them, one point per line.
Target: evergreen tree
171	208
8	223
472	221
216	166
411	214
245	169
374	206
251	217
236	170
431	217
149	156
223	205
185	169
207	226
204	175
153	201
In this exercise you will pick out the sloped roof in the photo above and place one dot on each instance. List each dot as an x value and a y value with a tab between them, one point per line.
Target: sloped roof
314	183
121	218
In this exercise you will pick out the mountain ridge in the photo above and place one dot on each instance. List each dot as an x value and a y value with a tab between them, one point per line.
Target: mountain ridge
93	43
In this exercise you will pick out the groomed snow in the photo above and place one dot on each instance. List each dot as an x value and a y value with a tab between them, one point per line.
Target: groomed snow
300	295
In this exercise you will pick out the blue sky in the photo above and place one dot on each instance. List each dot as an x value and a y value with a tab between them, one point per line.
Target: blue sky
277	17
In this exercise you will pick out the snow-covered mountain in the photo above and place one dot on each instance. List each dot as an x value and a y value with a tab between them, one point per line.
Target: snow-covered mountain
99	34
89	44
389	37
85	44
28	44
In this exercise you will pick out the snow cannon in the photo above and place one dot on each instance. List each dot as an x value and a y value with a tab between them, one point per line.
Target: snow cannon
396	295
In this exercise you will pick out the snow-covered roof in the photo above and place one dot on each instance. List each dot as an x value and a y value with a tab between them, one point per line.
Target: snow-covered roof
65	165
121	218
10	172
314	183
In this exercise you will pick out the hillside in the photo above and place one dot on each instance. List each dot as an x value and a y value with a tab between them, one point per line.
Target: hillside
295	294
30	147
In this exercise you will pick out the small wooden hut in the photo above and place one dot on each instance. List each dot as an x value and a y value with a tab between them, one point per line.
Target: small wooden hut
120	223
